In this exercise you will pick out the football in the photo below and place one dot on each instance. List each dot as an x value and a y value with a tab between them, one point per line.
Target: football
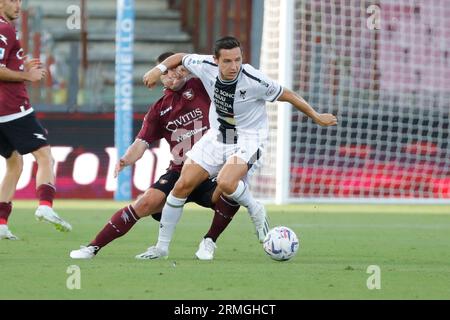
281	243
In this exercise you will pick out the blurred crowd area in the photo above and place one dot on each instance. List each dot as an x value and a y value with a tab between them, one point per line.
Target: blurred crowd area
76	41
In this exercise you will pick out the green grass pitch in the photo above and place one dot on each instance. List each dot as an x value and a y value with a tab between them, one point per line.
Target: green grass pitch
338	243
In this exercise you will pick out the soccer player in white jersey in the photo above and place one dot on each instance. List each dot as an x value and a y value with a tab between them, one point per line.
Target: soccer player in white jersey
239	128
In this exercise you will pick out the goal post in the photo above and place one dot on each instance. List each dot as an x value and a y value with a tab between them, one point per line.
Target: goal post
383	67
285	78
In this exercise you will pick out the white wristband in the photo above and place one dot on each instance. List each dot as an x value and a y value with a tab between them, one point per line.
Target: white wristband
161	68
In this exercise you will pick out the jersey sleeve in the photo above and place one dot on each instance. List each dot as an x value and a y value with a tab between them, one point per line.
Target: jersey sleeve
7	40
268	89
196	63
200	89
150	130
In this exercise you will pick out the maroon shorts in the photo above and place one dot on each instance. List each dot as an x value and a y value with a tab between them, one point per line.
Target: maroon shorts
202	195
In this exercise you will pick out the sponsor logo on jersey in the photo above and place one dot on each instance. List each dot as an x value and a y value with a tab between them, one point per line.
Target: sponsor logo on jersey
4	39
194	61
224	99
163	112
185	120
19	54
189	94
163	181
2	54
243	93
271	91
191	133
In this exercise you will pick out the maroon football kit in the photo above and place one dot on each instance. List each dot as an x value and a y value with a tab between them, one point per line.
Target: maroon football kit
13	95
180	117
19	128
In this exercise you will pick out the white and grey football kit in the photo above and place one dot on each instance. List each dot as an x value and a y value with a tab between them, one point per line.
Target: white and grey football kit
237	116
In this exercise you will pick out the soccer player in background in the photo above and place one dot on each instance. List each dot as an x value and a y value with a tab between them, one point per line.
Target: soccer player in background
20	131
181	118
239	127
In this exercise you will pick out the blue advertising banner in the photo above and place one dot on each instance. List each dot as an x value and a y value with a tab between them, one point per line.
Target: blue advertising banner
124	91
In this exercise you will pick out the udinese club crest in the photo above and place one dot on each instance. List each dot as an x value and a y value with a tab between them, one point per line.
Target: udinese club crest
189	94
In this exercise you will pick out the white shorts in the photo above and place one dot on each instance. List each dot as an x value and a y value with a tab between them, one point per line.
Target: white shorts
211	154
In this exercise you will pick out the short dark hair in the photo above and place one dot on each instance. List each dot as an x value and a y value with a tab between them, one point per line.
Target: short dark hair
164	56
227	42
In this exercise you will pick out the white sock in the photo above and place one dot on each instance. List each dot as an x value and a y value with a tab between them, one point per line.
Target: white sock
243	196
171	214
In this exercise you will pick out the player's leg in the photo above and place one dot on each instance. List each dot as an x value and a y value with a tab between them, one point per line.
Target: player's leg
27	135
231	180
203	161
191	176
224	211
123	220
45	177
14	165
151	202
209	196
45	189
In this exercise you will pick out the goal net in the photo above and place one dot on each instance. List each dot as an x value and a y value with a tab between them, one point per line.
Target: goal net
383	67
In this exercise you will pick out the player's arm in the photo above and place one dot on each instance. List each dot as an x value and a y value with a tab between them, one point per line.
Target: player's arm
33	69
34	74
133	154
323	119
152	76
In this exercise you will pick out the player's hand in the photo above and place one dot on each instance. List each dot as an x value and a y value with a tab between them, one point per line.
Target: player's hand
151	77
31	63
119	167
326	119
36	74
181	72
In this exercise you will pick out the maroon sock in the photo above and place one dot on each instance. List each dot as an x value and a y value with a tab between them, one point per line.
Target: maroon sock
224	212
5	211
121	222
46	194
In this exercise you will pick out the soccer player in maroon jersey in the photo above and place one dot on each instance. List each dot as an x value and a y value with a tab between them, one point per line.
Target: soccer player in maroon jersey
181	118
20	131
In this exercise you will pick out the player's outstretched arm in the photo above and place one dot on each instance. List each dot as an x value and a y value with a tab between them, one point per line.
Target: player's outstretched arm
133	154
34	74
323	119
152	76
